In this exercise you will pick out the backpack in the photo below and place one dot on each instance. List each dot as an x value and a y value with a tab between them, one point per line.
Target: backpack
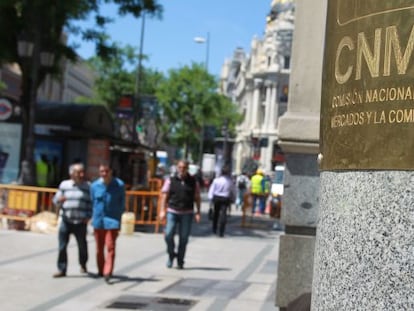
241	184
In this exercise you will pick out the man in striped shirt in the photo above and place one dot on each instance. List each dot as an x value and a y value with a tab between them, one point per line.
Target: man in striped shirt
73	199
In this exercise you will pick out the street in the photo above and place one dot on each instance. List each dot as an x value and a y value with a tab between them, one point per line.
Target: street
237	272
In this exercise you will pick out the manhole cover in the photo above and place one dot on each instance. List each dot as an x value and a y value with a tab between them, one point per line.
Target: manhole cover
126	305
130	302
175	301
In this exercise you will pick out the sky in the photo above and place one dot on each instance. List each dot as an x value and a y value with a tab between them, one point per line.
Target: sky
169	42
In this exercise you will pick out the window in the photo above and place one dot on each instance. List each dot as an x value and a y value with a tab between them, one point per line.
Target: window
286	64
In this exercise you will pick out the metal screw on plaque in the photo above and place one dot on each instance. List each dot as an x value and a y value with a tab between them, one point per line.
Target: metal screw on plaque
320	158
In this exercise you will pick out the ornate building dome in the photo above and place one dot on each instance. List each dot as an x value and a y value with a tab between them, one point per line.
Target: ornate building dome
280	6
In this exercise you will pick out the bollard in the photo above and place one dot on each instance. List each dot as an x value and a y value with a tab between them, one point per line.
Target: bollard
128	223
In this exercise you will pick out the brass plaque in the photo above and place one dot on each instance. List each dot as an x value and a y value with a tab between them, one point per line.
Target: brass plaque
367	110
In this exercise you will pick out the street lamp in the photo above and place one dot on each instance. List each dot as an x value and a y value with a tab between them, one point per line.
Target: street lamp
25	47
206	40
202	40
138	81
138	103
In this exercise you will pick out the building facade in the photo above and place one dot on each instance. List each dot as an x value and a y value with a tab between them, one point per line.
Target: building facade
77	80
258	83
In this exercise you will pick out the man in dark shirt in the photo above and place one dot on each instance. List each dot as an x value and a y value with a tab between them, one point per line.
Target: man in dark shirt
178	195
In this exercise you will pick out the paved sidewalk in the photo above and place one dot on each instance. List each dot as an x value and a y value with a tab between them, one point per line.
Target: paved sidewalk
237	272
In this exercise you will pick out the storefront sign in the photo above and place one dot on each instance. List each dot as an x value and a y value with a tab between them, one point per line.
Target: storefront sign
367	112
11	134
6	109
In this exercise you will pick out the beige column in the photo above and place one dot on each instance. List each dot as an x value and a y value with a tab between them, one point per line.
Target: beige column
298	133
274	108
256	102
240	155
269	104
247	123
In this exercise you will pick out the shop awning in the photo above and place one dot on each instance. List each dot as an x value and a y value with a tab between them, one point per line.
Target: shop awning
74	120
83	119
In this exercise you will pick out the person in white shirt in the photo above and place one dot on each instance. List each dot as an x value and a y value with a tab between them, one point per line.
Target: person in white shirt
222	193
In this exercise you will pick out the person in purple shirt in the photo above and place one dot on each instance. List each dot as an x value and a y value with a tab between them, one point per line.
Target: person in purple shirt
222	193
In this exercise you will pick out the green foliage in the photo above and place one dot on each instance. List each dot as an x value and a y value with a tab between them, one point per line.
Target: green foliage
2	86
188	101
45	21
114	79
151	79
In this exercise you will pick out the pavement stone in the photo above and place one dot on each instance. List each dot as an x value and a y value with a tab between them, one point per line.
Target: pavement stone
237	272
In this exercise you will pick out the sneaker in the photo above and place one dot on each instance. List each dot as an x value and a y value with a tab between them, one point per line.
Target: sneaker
170	262
59	274
83	270
180	264
107	279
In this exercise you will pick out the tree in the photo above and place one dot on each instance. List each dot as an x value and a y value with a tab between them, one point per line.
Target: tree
115	78
2	86
43	22
188	101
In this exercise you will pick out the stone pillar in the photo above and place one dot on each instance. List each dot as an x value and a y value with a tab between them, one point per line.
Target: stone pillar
274	108
247	123
268	153
269	103
364	254
365	242
256	104
299	138
239	155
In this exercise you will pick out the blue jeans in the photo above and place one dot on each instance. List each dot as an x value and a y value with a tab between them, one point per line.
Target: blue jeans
240	198
182	223
79	231
262	203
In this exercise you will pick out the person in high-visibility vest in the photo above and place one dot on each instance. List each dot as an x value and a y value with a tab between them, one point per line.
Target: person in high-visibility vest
257	190
42	170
